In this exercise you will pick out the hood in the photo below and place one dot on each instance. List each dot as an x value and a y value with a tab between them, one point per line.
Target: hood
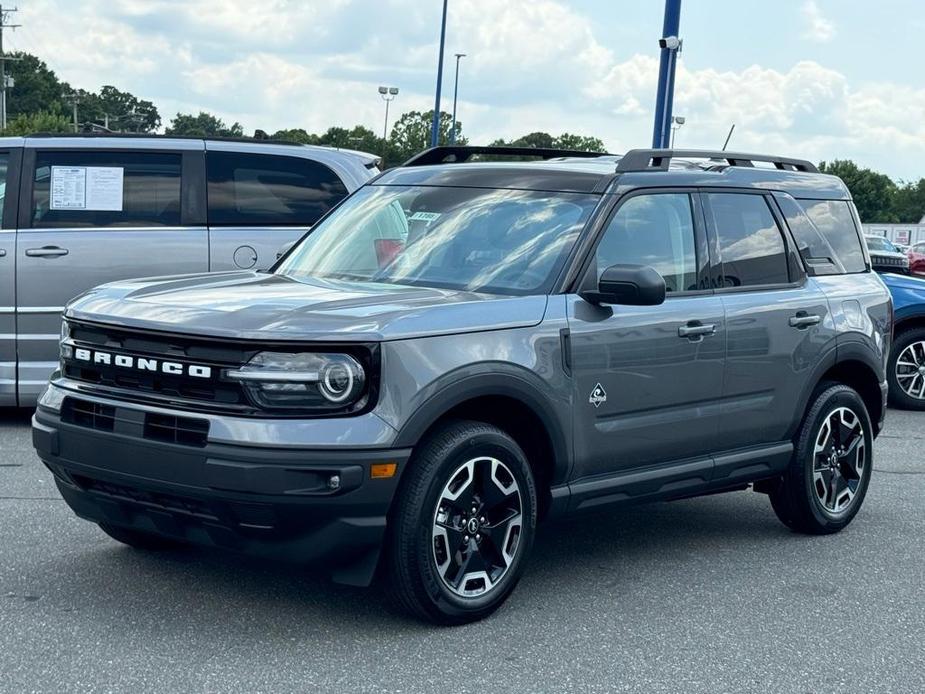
258	306
915	284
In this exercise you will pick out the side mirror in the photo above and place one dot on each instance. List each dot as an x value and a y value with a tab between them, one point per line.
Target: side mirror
284	249
630	285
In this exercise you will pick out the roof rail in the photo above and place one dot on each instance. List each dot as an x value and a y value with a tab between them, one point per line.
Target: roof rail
660	159
457	154
161	136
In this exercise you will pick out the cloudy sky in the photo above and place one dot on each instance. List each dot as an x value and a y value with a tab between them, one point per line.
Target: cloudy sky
811	78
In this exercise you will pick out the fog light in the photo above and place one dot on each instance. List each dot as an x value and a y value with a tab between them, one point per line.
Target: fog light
334	482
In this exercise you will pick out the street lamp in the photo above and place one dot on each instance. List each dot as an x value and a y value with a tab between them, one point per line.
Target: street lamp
387	94
455	93
676	123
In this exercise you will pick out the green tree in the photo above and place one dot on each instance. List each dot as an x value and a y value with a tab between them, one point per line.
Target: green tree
909	202
564	141
298	135
37	88
202	125
873	192
40	122
411	134
122	110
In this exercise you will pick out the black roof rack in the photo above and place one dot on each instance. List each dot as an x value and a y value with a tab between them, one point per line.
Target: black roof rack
453	154
660	159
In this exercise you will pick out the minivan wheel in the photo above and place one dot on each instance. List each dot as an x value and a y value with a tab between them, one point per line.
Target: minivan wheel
825	485
462	525
139	539
906	370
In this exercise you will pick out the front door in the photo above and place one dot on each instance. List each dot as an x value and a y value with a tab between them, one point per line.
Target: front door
260	202
93	216
648	379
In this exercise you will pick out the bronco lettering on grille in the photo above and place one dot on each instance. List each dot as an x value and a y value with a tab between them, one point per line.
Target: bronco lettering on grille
142	364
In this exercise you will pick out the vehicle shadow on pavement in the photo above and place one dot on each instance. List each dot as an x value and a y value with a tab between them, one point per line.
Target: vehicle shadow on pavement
215	590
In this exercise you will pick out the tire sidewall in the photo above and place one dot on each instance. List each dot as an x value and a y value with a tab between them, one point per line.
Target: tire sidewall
487	445
840	397
898	396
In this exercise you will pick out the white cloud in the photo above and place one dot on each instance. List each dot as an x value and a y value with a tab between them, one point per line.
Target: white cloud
819	28
532	65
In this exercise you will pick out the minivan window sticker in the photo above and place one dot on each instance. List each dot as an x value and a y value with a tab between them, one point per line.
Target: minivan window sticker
87	188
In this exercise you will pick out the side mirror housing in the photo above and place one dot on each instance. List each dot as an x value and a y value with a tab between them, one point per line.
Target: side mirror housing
629	285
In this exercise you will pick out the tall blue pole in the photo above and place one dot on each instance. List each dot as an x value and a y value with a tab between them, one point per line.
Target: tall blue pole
435	126
664	99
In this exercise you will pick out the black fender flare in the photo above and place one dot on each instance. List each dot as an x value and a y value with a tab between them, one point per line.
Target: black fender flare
496	379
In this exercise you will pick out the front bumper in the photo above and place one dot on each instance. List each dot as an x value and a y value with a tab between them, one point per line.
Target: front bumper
307	505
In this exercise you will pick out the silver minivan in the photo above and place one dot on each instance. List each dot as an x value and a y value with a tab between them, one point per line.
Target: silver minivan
78	211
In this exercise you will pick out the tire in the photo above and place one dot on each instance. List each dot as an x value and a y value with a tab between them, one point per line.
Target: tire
804	500
138	539
445	563
906	370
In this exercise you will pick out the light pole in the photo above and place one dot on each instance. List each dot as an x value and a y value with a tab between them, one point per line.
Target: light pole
387	94
455	94
664	99
676	123
435	124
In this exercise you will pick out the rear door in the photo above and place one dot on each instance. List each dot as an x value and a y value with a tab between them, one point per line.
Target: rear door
9	174
260	201
778	324
94	214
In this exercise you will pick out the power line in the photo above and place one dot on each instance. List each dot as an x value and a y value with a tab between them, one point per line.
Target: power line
5	82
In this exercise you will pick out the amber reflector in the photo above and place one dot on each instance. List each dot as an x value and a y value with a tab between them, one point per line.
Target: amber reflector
382	470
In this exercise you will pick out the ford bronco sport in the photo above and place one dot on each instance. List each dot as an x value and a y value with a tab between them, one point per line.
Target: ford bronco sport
462	348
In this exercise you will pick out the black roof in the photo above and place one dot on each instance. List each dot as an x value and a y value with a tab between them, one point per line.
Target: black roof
566	171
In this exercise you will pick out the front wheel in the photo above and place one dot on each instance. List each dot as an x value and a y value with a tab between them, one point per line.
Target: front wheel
906	370
825	485
463	524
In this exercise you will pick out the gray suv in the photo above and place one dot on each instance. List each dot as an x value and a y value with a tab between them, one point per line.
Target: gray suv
79	211
462	348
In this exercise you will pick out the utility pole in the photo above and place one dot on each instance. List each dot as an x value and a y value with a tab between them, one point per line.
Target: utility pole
5	83
664	100
435	125
74	98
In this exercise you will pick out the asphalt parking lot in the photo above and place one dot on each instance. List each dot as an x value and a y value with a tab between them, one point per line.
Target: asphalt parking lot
707	595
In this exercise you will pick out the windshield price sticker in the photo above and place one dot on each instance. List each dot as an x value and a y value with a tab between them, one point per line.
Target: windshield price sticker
425	217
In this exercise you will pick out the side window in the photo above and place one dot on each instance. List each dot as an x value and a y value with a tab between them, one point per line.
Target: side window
833	221
79	188
266	189
4	168
655	230
751	246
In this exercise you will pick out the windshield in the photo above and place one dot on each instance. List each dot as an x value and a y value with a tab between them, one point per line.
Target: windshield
878	243
473	239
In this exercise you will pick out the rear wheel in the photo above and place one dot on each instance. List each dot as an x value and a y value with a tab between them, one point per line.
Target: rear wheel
463	524
138	539
906	370
825	485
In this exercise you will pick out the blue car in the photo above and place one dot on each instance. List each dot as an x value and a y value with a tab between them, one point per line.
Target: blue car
906	372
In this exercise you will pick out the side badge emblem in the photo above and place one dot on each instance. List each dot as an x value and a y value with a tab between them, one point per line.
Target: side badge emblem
598	395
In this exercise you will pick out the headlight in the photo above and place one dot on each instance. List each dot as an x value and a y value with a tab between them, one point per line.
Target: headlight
64	349
308	380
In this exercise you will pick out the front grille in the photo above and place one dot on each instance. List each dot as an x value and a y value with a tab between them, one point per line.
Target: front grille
183	431
155	385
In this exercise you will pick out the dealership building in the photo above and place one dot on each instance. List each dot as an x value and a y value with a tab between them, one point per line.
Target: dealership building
906	234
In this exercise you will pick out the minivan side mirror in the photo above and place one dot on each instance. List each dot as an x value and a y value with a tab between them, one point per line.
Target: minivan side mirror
630	285
284	249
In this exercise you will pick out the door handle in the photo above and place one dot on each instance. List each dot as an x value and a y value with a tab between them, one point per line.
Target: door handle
804	320
2	252
696	331
46	252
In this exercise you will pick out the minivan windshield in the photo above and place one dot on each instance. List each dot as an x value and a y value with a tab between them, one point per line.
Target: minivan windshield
495	241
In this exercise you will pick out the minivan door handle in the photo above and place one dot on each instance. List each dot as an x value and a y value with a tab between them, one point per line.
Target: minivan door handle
2	252
696	331
804	320
46	252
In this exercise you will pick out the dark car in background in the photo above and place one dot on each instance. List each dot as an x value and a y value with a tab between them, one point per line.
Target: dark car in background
885	256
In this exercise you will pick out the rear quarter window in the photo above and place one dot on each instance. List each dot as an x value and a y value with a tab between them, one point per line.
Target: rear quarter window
269	190
826	235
